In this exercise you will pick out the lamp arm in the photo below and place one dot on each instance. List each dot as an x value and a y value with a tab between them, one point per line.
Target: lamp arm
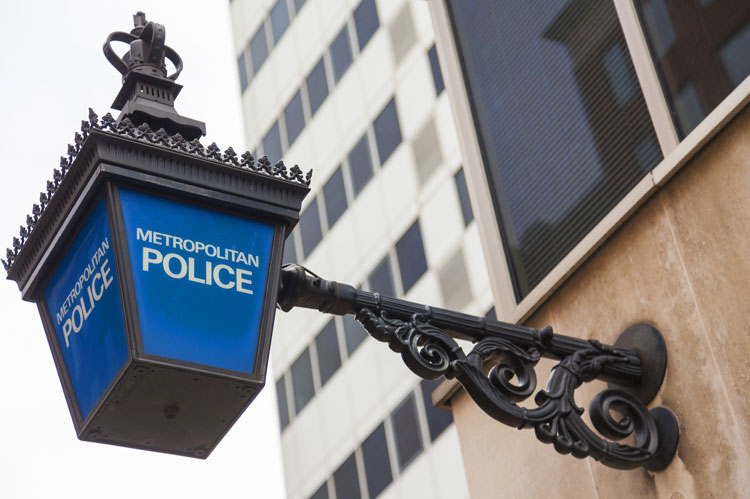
425	337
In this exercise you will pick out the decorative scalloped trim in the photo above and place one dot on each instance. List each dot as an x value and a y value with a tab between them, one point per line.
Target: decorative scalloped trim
161	138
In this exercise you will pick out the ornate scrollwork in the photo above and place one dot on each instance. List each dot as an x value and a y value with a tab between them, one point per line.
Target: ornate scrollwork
430	353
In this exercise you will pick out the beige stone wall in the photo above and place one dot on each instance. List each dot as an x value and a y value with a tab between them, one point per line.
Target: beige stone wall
682	263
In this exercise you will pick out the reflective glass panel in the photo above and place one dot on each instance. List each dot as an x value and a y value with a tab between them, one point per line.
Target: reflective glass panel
387	131
701	50
564	128
341	53
377	463
317	86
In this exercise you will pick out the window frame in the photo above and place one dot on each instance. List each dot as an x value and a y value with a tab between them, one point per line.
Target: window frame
676	154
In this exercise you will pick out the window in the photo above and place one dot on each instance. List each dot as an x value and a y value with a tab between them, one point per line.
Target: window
259	48
437	76
329	358
302	381
310	229
294	118
561	146
463	197
341	53
321	493
279	19
701	54
281	400
346	481
290	254
360	165
365	21
381	279
406	432
387	131
317	86
437	419
377	463
272	144
491	315
242	70
411	259
335	196
353	332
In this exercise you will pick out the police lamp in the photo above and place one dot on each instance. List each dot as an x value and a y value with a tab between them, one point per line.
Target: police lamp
155	264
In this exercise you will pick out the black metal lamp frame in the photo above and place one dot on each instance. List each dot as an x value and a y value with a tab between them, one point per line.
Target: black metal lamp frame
424	336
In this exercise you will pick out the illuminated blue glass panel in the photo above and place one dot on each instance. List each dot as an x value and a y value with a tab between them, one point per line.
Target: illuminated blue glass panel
83	300
200	278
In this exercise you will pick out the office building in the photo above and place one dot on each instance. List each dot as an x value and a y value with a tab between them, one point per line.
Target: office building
353	90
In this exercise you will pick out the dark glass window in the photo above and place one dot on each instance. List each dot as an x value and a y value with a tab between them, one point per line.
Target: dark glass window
700	51
491	314
561	144
309	223
377	463
463	197
366	21
437	75
335	195
281	399
346	481
353	332
302	381
411	259
295	118
321	493
360	165
381	279
437	419
317	86
279	19
242	70
259	48
272	144
290	255
298	4
329	358
387	131
406	432
341	53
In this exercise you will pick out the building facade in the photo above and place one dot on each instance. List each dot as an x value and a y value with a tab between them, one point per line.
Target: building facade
353	90
606	148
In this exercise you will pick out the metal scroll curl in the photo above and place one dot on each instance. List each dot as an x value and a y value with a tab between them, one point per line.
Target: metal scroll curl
430	353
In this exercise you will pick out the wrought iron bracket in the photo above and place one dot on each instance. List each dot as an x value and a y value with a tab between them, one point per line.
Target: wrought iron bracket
425	338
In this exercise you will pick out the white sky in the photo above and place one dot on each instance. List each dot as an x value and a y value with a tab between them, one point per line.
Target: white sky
53	70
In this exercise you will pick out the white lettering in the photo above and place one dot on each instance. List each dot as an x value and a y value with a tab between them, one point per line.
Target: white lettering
191	272
217	276
78	327
97	296
147	253
66	331
183	266
241	273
